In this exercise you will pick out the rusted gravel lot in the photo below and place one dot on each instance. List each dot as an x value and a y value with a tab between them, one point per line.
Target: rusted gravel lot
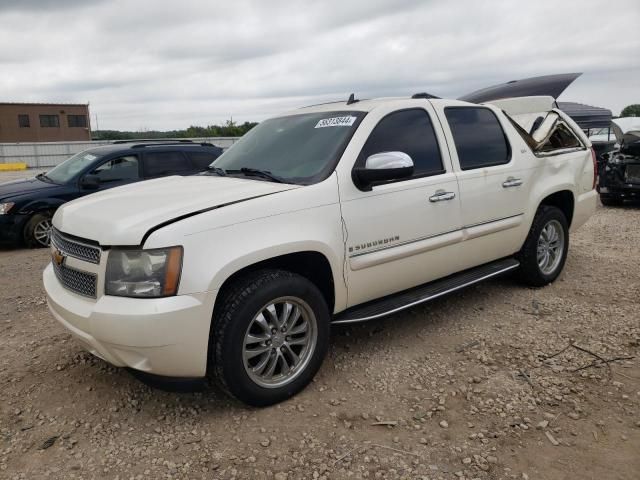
465	387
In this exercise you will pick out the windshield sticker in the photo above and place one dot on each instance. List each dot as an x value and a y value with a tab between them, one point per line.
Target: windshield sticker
336	122
90	157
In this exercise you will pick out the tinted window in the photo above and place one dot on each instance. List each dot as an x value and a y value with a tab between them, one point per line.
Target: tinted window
77	120
23	121
165	163
118	169
49	121
201	160
410	132
479	138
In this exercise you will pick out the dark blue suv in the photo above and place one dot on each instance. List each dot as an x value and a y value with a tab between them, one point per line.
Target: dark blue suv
26	206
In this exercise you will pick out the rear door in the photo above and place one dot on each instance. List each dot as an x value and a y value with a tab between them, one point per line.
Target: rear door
494	172
161	163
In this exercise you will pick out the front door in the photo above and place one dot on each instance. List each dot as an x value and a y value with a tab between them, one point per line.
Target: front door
402	233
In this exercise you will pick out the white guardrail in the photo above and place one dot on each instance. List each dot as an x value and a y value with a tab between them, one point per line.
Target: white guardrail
50	154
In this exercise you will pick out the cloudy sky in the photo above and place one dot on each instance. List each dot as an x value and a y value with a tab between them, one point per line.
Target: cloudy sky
152	64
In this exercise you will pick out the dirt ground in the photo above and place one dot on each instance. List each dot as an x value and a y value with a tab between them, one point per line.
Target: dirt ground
465	387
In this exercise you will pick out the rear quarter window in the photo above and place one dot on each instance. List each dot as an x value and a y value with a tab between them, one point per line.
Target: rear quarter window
201	160
158	164
478	136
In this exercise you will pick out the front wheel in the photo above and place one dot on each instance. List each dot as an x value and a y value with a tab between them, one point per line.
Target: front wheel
37	231
269	336
544	252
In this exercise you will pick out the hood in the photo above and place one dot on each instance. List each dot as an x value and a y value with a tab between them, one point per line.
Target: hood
547	85
626	129
23	187
124	215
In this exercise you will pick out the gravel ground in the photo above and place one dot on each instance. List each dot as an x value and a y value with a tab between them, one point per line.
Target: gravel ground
465	387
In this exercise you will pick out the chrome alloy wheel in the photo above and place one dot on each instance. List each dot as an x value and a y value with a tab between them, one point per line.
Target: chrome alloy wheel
279	342
42	232
550	247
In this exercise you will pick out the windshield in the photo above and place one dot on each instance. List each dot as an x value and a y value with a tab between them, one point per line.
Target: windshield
70	167
297	149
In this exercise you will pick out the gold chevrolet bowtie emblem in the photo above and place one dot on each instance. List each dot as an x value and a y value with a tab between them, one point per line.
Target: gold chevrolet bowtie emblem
58	257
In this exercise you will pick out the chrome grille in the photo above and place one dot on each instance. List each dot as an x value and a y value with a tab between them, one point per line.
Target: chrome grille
72	248
82	283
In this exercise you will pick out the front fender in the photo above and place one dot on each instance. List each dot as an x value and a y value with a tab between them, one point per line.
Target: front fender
41	204
233	248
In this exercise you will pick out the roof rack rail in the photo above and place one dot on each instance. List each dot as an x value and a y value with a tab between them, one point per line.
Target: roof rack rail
169	144
423	95
152	140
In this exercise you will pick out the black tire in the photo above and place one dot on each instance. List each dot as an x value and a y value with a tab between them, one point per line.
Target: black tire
32	233
611	201
530	272
238	306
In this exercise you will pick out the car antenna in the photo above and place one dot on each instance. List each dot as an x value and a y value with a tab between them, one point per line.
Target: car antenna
352	99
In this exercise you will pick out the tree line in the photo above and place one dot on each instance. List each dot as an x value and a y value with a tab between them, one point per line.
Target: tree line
229	129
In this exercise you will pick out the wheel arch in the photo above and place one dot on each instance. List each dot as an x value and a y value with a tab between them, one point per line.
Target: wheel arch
563	200
311	264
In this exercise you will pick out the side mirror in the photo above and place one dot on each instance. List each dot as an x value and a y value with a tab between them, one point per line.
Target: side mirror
383	167
90	182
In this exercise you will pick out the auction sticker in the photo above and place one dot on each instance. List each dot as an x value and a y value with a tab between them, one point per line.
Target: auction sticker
346	121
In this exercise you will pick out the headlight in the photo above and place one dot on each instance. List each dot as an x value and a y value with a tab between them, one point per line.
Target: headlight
5	207
143	273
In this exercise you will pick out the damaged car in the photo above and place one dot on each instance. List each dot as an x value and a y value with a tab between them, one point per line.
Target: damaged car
619	175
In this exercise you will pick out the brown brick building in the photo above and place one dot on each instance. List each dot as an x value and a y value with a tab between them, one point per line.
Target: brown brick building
44	122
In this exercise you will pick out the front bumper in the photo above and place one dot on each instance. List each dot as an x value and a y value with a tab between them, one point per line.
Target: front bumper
11	228
163	336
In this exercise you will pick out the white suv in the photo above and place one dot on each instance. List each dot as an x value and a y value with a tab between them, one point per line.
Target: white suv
334	213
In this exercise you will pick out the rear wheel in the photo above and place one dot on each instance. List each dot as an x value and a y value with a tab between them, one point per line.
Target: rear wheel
37	231
269	336
544	252
610	201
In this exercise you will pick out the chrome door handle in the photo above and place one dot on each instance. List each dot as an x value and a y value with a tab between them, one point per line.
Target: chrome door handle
512	182
441	196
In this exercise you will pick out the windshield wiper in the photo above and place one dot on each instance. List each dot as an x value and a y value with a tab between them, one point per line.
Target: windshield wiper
44	178
217	170
255	172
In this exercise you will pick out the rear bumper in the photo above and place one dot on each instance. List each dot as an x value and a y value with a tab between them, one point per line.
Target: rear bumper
631	190
165	336
584	207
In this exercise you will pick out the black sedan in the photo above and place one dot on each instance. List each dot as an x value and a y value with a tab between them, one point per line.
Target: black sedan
27	206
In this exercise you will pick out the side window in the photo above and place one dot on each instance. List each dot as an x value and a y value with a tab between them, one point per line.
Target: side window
479	138
157	164
23	121
562	137
118	169
410	132
201	160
